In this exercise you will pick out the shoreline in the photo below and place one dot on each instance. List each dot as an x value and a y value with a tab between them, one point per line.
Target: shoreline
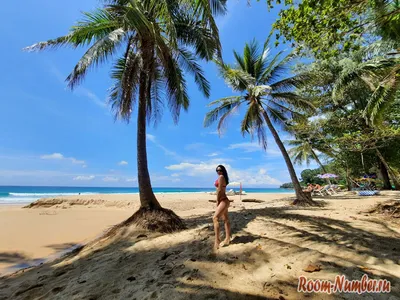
96	195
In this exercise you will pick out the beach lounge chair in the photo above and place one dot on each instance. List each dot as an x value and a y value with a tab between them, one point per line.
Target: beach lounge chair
323	191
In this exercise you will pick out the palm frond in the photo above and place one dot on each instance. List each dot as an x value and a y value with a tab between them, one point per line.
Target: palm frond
98	53
239	60
251	54
292	99
206	10
192	32
237	79
275	68
154	102
122	95
253	123
225	107
278	116
94	26
291	83
384	94
188	61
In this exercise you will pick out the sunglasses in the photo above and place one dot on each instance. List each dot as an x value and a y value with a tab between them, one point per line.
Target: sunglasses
219	170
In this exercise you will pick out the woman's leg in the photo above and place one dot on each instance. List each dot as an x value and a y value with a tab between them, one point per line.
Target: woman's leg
219	212
227	224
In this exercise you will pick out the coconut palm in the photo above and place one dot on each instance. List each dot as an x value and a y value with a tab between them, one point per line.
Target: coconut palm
269	98
302	151
375	74
152	43
361	87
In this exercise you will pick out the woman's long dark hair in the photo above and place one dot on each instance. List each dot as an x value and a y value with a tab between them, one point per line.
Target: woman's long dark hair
224	172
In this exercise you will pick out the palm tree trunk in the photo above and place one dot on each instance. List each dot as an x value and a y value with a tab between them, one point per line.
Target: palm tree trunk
320	164
302	198
147	197
348	181
390	171
385	176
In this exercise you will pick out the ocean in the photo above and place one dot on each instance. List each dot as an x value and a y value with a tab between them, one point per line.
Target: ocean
28	194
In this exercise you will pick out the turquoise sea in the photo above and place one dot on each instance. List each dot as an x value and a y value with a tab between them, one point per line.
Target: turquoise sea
27	194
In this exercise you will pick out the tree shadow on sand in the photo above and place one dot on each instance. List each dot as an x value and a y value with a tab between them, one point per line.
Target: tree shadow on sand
130	269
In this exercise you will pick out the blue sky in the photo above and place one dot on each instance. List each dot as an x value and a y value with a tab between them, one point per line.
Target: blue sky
52	136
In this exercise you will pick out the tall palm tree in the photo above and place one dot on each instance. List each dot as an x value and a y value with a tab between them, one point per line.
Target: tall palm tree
270	98
151	42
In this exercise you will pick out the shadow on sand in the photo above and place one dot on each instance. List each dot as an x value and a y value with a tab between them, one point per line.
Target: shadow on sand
186	269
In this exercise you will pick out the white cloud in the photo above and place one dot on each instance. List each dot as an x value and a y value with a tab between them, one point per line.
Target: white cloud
76	161
123	163
110	179
53	156
150	137
59	156
168	152
89	94
175	175
84	178
203	171
80	91
271	151
272	148
246	147
194	146
215	132
131	179
213	154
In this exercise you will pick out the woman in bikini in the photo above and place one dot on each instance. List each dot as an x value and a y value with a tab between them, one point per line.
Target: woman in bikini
222	207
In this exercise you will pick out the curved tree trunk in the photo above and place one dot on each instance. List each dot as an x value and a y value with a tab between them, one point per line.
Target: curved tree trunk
302	198
390	171
320	164
385	176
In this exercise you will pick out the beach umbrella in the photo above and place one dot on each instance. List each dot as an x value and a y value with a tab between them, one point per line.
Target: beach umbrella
327	175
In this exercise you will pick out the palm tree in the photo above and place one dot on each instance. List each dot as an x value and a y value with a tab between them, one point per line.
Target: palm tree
360	87
152	42
373	77
257	76
302	151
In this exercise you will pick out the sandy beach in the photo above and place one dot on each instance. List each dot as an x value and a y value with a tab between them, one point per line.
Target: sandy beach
273	244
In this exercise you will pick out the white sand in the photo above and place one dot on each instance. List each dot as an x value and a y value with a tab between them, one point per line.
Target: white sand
272	244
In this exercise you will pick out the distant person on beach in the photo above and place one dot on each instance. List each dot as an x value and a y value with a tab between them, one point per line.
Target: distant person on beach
309	188
222	207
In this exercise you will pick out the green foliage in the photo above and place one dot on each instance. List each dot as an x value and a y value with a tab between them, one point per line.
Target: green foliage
310	176
257	76
330	27
288	185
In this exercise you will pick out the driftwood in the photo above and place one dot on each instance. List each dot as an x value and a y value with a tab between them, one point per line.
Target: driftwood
215	201
253	200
